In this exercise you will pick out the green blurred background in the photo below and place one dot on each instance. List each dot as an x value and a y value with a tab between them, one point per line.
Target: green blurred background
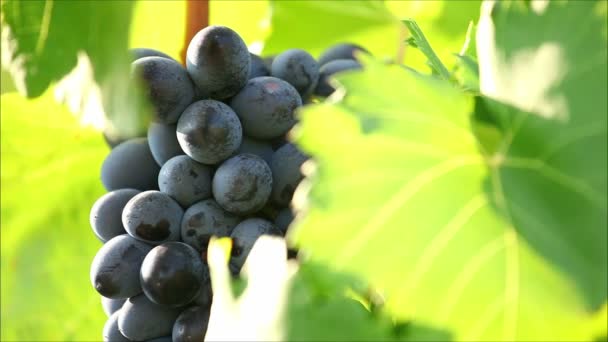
50	163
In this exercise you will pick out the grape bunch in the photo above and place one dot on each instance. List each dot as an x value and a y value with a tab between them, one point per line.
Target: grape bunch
215	162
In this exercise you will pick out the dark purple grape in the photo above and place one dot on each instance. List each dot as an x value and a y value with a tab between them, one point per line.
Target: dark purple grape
106	213
110	305
284	219
242	184
111	332
286	173
115	268
167	84
141	319
298	68
163	142
209	131
260	148
172	274
206	219
153	217
266	107
324	88
130	165
191	325
340	51
218	61
185	180
244	236
257	67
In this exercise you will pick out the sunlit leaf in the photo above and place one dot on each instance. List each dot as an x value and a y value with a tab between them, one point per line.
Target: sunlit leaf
49	181
478	242
44	41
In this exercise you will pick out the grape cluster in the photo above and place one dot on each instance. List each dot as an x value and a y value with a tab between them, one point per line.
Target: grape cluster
215	162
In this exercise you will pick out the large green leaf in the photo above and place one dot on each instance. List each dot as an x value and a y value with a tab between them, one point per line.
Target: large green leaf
49	181
561	75
316	25
459	238
83	43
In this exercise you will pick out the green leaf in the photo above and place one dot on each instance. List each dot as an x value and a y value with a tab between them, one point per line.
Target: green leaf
466	69
424	46
548	58
45	41
444	23
50	178
296	24
457	237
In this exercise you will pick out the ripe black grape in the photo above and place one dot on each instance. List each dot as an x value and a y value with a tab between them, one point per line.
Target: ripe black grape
260	148
111	332
191	325
242	184
161	339
286	174
327	70
167	84
284	219
163	142
141	319
218	61
153	217
172	274
298	68
115	268
266	107
206	219
106	213
257	67
110	305
130	165
340	51
244	236
185	180
218	151
209	131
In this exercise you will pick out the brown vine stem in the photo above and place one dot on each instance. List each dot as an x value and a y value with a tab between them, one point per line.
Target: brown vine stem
197	18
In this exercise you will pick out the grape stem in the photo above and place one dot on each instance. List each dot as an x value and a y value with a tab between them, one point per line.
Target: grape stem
197	18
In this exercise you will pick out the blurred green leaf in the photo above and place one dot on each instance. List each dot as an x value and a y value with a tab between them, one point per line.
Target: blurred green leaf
83	44
316	25
458	238
548	58
49	181
7	84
